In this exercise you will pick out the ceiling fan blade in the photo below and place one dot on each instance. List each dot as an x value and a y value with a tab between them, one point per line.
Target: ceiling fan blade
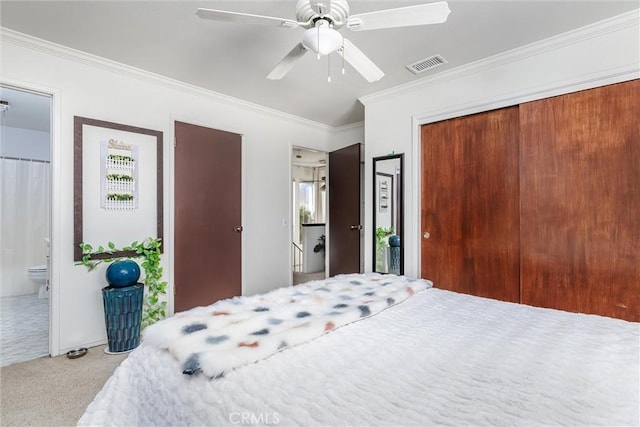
245	18
423	14
287	62
360	62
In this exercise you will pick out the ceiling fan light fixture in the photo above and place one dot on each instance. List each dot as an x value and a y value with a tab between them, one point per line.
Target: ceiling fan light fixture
322	40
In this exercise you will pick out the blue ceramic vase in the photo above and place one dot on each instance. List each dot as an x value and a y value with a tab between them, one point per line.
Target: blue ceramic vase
394	241
123	273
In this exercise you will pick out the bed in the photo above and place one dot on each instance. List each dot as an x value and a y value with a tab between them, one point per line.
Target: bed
430	357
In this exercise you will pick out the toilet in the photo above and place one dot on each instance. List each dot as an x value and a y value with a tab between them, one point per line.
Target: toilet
38	275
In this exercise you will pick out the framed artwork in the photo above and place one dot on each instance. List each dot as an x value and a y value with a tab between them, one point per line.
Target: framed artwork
384	198
118	194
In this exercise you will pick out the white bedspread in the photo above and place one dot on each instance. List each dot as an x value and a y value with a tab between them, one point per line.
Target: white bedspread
438	358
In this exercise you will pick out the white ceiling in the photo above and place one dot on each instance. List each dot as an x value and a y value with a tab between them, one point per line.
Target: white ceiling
167	38
308	158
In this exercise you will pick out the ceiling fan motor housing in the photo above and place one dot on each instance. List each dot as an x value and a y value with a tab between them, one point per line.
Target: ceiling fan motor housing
336	15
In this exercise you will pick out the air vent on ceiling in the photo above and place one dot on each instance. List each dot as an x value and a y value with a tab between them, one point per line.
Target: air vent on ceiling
426	64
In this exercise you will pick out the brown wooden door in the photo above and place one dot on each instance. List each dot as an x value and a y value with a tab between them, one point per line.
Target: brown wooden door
470	204
580	193
344	210
207	208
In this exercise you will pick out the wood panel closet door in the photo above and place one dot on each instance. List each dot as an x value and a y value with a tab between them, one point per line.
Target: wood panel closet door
580	195
470	204
208	210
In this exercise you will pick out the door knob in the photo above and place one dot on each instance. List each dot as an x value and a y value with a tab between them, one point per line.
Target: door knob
356	227
237	229
426	235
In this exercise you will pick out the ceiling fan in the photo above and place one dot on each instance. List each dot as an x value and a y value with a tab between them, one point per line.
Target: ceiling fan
322	18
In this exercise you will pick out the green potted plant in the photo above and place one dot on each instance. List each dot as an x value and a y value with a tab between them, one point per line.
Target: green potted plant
382	242
320	245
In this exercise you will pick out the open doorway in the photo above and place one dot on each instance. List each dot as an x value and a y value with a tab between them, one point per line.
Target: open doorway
25	205
309	194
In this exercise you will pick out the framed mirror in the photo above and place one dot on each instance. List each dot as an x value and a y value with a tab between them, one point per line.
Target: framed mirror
388	197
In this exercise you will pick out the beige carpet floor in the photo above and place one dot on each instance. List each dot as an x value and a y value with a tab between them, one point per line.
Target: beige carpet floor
53	391
306	277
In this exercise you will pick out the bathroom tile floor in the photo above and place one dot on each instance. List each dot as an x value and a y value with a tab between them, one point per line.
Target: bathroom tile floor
24	328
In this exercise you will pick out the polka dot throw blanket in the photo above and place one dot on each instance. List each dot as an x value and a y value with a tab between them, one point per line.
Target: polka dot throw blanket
234	332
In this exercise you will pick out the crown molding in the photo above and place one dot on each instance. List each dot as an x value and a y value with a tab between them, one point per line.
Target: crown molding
616	23
348	127
64	52
603	78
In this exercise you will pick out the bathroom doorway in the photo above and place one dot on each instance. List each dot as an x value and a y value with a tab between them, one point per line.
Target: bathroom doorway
309	201
25	212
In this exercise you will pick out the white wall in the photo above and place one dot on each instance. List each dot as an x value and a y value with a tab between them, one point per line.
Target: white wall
347	135
600	54
91	87
302	173
24	143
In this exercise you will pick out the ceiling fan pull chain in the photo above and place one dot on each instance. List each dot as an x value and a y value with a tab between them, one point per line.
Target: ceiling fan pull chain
343	72
329	68
318	54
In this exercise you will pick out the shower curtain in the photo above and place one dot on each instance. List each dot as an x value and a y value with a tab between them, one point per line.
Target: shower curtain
24	222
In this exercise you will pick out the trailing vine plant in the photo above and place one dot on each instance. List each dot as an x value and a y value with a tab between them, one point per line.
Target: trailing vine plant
382	233
153	309
382	241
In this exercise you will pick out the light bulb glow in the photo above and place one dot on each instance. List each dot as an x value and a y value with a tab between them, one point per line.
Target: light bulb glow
322	40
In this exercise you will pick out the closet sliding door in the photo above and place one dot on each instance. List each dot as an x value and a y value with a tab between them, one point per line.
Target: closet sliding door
470	204
538	203
580	198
